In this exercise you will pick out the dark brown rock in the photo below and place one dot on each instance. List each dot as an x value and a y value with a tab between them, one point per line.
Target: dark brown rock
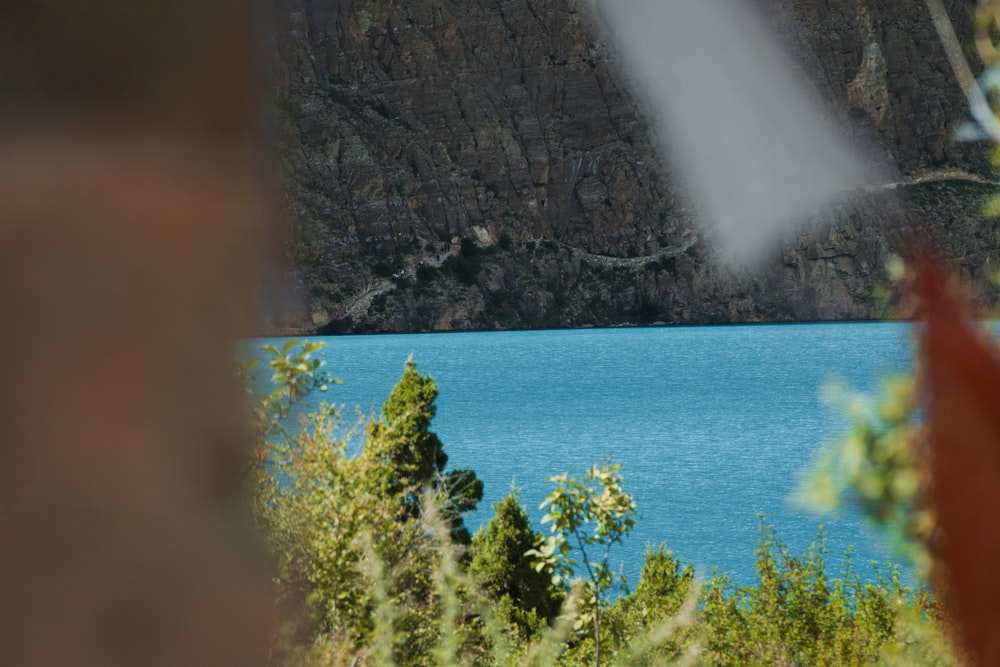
408	126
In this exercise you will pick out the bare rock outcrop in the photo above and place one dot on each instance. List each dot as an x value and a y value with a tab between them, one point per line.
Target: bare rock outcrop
455	165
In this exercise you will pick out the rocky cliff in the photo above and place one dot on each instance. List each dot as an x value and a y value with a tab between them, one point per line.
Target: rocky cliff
458	165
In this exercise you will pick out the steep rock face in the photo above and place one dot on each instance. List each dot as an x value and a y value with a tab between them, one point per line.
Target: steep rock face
455	165
880	62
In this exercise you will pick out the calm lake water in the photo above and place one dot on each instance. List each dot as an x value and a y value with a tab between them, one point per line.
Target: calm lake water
713	425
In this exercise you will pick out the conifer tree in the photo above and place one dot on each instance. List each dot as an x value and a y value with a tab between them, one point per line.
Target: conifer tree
500	565
413	456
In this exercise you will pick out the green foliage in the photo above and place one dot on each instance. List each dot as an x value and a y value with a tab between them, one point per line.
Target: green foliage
295	373
368	557
795	615
327	514
663	586
332	518
427	273
402	437
654	606
876	467
463	491
354	557
501	567
991	209
594	513
412	455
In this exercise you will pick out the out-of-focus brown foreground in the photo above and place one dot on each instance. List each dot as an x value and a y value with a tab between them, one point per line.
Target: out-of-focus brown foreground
961	369
131	223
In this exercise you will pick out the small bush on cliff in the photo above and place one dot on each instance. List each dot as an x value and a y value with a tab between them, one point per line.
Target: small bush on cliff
427	273
466	264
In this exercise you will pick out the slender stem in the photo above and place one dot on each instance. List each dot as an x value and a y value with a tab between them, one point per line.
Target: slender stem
586	561
597	599
597	636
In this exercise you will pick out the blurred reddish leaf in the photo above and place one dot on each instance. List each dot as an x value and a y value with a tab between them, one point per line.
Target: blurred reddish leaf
963	378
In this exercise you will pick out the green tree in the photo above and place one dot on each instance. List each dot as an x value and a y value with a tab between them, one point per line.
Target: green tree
353	551
328	517
402	436
592	514
499	564
413	455
635	621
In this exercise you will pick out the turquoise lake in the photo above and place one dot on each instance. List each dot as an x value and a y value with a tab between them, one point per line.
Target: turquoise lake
712	425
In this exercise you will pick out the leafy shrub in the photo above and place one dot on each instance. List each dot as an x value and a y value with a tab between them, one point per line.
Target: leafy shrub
427	273
466	264
876	467
654	624
592	514
796	615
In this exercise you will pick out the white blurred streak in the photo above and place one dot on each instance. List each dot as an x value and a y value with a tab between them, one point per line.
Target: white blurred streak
750	141
978	104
